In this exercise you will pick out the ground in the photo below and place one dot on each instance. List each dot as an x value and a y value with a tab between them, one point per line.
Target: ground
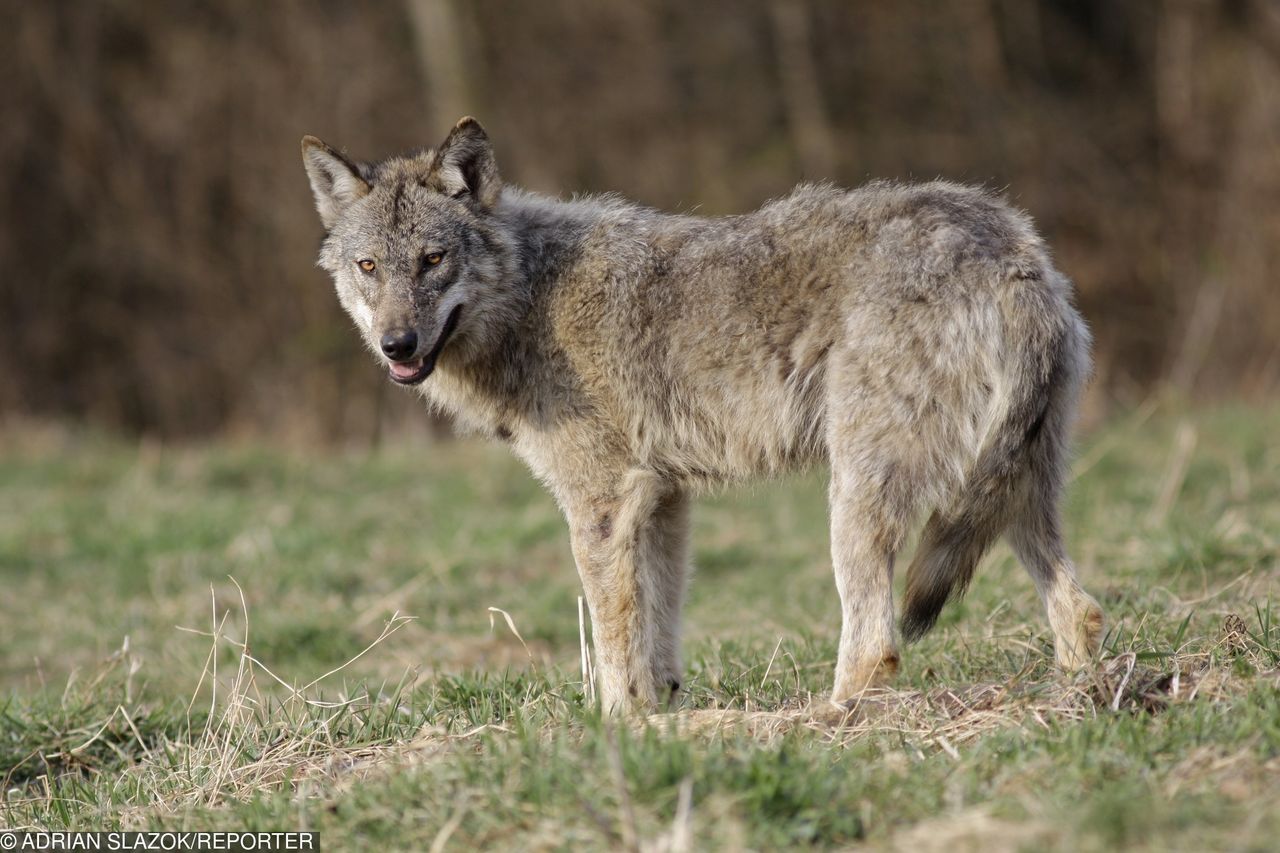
412	672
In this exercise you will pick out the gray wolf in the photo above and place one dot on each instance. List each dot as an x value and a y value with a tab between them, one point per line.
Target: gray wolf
915	338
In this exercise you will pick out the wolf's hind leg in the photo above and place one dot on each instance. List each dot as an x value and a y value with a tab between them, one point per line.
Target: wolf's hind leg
871	508
1035	534
1074	617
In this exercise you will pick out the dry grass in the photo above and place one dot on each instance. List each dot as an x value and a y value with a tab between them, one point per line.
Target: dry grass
310	714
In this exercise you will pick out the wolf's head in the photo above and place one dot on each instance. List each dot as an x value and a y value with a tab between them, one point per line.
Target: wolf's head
417	258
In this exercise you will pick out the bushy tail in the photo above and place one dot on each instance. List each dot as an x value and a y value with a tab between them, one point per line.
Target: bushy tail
1039	363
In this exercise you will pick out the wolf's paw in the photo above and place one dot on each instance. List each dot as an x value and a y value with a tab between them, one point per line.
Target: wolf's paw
1076	643
854	681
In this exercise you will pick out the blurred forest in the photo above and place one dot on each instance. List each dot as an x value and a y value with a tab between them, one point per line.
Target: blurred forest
158	236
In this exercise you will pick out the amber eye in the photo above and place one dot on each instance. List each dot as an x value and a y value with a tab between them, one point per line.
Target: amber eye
367	265
434	258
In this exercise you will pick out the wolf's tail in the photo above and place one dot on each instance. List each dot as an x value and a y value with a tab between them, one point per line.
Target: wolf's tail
1042	362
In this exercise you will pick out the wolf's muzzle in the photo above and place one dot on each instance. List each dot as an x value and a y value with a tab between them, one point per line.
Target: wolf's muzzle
411	372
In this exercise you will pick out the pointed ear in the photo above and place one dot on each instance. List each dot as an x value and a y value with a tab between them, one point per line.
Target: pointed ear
464	165
335	180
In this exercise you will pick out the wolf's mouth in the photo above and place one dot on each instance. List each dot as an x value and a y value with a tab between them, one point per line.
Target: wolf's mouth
413	372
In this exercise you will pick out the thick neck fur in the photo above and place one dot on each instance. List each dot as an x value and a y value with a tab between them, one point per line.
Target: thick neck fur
549	232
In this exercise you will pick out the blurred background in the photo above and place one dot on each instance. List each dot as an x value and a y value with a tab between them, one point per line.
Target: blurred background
158	236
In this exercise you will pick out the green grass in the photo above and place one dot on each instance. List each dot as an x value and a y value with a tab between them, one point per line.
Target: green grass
166	613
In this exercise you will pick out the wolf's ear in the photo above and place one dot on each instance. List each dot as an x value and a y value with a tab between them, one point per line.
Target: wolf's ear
335	180
464	165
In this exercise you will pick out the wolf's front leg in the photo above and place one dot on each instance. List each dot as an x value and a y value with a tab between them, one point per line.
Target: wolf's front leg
665	548
631	547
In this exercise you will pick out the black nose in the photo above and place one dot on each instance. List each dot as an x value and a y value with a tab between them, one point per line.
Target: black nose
400	344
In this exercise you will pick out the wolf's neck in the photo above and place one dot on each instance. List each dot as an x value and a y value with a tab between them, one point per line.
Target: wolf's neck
549	231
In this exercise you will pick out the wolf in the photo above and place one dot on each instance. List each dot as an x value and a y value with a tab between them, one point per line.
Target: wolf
917	339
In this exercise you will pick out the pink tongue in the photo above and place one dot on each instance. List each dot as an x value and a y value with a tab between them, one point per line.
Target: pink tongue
406	369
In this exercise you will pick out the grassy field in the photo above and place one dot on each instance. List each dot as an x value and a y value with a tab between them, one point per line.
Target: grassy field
241	636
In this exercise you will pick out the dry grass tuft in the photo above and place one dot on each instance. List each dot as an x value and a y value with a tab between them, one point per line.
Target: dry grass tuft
951	716
252	741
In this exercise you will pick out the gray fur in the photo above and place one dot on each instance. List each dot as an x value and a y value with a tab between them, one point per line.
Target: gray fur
914	337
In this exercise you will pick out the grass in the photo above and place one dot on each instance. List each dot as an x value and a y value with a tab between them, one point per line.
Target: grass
251	637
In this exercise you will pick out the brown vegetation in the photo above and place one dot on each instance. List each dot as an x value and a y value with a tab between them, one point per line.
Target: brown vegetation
158	236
